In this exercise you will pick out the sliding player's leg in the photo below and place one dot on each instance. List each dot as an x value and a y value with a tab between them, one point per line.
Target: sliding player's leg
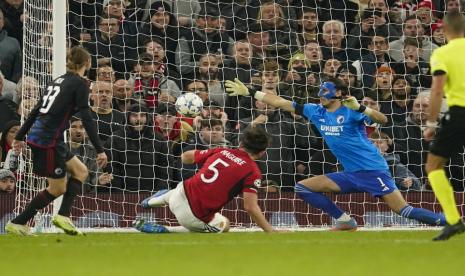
179	206
160	198
311	191
219	224
45	163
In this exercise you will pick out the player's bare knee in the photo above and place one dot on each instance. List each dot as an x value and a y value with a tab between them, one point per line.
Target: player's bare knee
320	183
80	174
395	201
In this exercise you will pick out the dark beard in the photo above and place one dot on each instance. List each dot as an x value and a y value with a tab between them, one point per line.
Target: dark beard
209	76
400	96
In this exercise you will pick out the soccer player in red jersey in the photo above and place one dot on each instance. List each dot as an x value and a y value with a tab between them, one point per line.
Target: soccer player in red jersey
225	173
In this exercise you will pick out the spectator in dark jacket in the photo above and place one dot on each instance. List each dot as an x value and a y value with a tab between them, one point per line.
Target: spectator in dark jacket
241	66
8	134
108	119
372	21
87	154
334	46
409	135
308	25
108	47
139	160
204	38
376	57
127	28
348	75
7	112
413	67
404	178
283	39
398	106
10	54
162	26
81	20
13	12
123	95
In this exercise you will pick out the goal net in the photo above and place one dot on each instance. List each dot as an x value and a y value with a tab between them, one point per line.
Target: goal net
150	52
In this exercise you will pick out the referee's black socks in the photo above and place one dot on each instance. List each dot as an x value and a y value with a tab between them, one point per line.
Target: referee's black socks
72	189
40	201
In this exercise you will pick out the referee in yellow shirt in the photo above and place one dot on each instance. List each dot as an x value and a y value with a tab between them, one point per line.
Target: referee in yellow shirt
448	70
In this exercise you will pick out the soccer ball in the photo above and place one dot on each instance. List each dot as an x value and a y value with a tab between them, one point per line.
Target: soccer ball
189	105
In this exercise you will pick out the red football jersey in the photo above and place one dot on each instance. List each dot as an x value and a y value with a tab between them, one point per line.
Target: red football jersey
224	174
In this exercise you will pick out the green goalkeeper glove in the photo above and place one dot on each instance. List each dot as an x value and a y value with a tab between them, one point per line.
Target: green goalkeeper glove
352	103
236	88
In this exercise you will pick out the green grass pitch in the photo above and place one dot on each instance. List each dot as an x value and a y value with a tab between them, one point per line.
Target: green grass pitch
299	253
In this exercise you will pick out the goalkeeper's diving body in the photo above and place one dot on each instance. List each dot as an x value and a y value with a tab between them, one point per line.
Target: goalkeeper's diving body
225	173
341	122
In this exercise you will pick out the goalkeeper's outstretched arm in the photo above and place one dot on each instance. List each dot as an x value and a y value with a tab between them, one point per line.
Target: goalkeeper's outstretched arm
237	88
275	101
376	116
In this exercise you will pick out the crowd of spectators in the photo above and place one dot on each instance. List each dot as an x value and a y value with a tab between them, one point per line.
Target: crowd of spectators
146	53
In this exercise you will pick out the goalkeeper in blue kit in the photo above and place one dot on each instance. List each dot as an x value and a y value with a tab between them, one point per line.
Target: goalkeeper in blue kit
341	122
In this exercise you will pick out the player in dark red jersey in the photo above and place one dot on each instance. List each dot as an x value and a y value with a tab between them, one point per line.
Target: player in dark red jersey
225	174
65	96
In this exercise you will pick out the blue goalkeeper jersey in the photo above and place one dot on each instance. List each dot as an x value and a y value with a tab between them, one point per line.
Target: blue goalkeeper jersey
345	134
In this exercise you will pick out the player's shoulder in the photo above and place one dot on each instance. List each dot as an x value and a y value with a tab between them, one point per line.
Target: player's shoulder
439	50
443	50
238	156
312	105
70	80
313	108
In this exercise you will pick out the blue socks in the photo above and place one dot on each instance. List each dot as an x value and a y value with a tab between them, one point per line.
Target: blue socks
423	215
318	200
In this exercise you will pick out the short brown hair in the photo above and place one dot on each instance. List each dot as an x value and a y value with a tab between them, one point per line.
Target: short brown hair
269	65
210	122
410	41
255	139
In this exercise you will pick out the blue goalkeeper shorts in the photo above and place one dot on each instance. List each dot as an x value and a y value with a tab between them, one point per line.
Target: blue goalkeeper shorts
376	183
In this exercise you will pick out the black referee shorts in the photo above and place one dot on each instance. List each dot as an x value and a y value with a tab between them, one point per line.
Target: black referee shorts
51	162
450	138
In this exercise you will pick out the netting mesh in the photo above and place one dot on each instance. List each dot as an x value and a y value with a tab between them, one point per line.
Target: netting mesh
150	52
37	62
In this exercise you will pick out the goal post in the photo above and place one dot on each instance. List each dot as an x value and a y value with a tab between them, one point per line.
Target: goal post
59	38
45	39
